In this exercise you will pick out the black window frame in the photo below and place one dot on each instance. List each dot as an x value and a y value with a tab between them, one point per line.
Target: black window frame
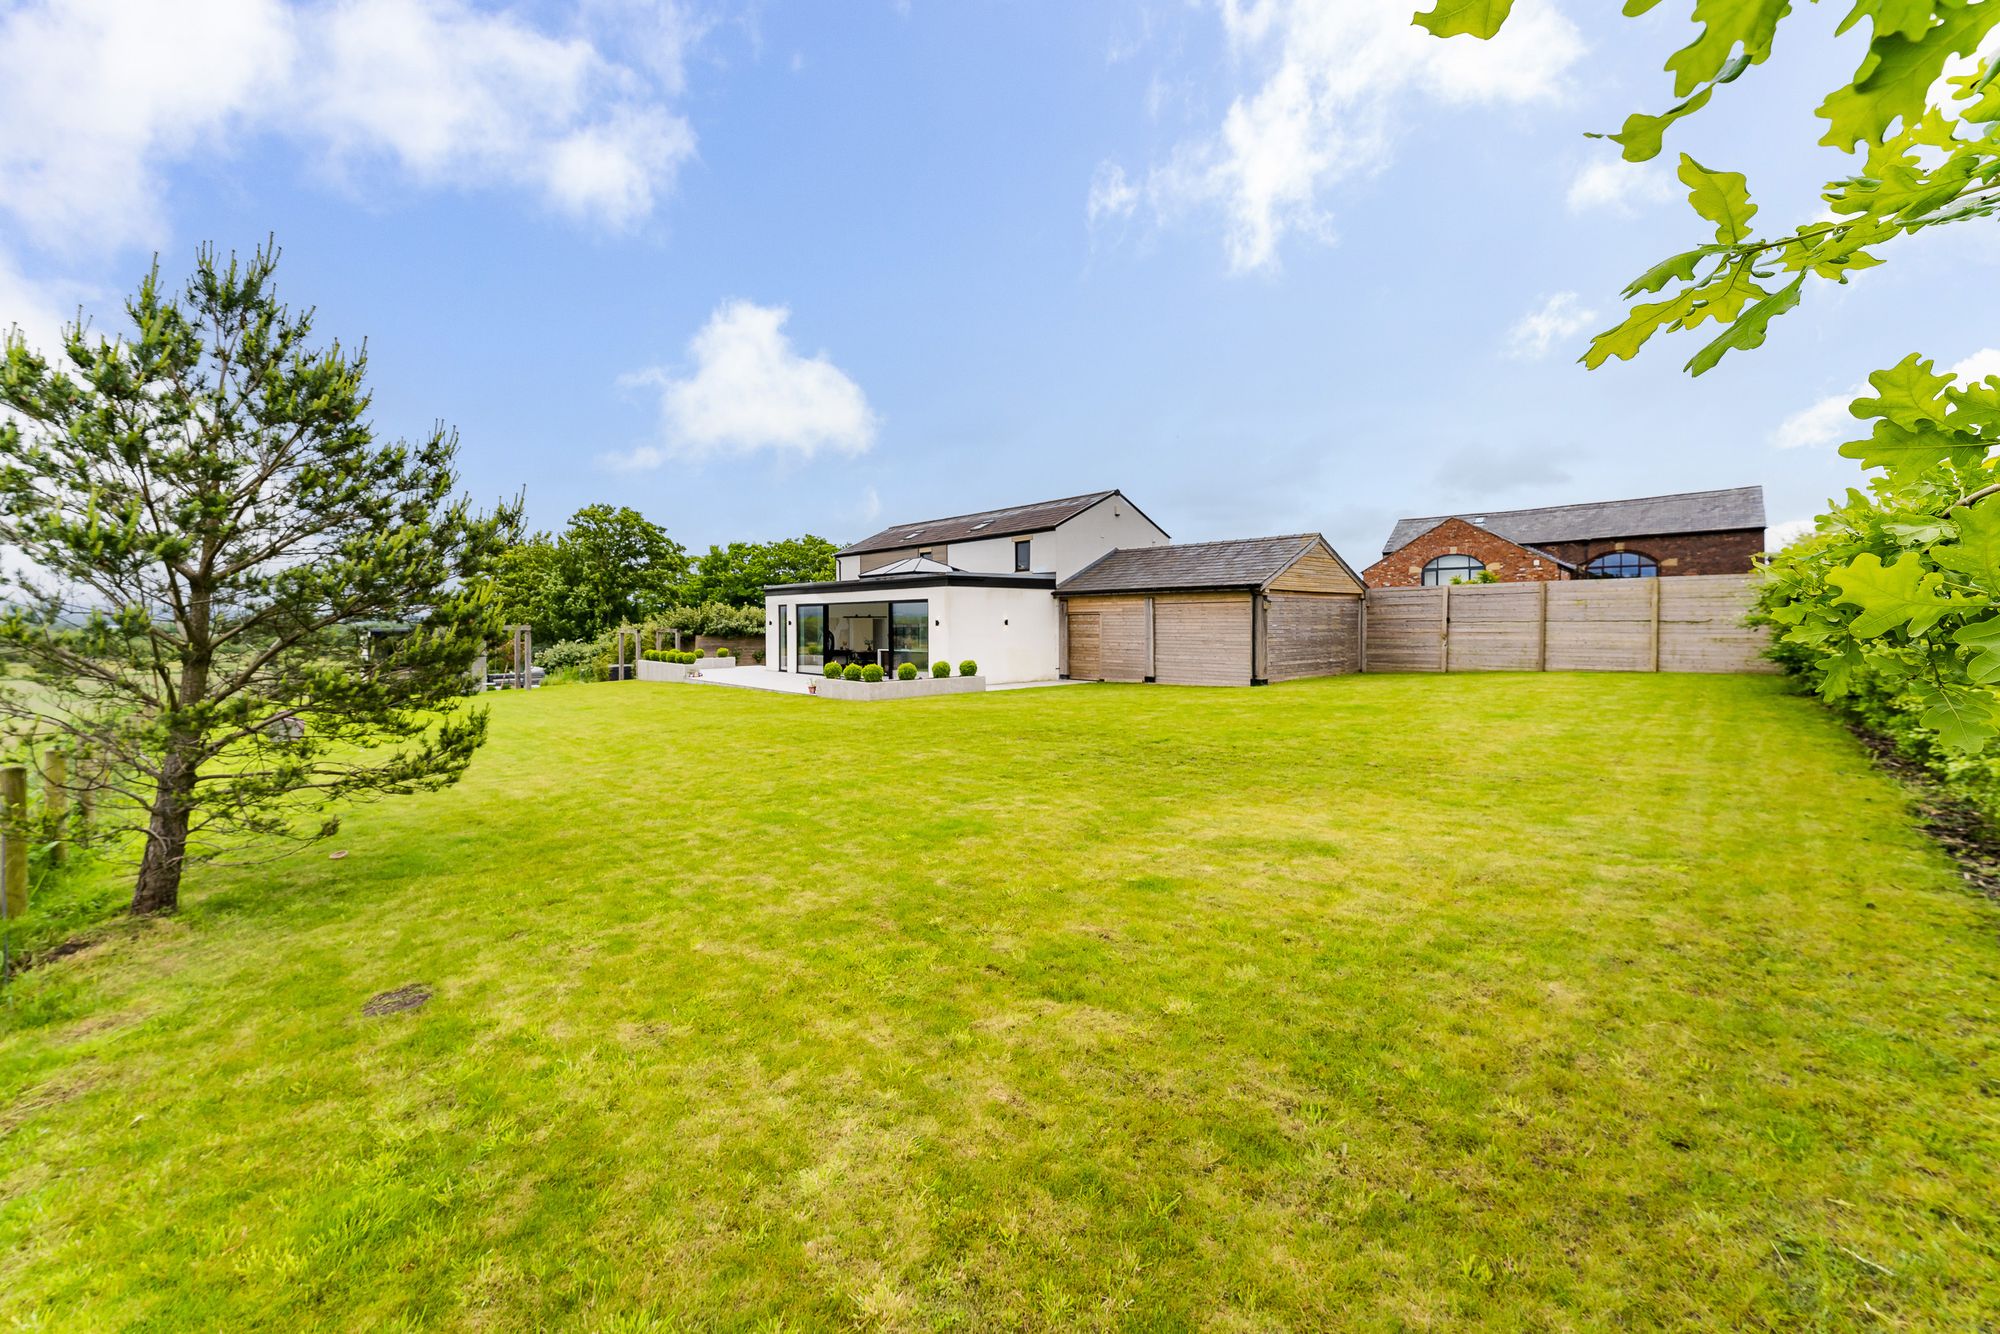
1024	555
1642	566
1436	563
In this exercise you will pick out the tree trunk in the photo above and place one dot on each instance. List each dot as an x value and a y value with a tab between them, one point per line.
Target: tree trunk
159	887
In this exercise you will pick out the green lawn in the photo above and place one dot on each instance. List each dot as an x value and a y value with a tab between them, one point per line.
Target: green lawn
1551	1002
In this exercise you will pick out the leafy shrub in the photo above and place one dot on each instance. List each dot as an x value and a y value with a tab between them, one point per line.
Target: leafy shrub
940	668
853	672
907	672
968	668
757	656
566	654
872	672
832	670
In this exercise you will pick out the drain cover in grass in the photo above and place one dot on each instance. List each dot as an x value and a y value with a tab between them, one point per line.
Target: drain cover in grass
402	998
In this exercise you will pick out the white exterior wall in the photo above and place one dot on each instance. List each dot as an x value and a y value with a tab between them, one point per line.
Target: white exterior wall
1012	633
847	567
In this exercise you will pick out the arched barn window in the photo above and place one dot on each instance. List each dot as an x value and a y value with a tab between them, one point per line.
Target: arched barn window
1444	569
1622	565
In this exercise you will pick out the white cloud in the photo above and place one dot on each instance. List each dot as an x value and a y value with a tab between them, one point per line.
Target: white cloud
1560	317
750	391
1111	194
1330	77
1984	362
438	91
1828	422
39	309
1782	534
1618	186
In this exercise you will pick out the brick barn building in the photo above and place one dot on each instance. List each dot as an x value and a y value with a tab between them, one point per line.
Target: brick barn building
1695	532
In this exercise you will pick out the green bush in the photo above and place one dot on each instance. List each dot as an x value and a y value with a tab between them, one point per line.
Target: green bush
940	668
907	672
968	668
832	670
872	672
853	672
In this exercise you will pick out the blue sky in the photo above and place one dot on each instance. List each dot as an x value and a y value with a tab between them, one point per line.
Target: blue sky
768	268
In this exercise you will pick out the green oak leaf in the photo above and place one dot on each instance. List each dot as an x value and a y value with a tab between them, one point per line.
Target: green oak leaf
1642	136
1476	18
1726	25
1908	394
1749	328
1896	76
1722	197
1976	554
1900	595
1983	638
1964	717
1906	453
1624	339
1908	17
1676	268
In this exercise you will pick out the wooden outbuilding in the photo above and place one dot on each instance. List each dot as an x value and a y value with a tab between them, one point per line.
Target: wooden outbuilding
1233	613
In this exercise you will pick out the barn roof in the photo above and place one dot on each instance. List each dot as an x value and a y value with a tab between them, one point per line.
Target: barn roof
1647	516
1008	522
1249	562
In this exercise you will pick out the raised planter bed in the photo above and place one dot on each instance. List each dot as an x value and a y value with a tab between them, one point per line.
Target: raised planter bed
678	671
830	688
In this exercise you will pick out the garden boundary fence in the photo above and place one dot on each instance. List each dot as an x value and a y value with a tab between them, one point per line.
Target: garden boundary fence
1689	623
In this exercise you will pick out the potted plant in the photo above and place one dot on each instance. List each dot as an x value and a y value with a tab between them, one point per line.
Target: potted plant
968	668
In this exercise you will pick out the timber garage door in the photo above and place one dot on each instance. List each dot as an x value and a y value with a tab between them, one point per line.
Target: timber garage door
1202	639
1107	639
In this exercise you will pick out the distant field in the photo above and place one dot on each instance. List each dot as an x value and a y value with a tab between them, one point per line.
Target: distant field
1545	1002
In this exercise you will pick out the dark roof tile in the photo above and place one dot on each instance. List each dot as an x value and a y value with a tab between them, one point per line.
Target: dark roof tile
1647	516
1247	562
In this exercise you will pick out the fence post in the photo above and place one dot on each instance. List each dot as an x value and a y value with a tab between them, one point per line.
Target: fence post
1542	627
55	802
13	840
1655	581
1444	630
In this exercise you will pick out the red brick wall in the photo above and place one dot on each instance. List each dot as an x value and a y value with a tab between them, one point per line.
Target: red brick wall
1404	567
1729	552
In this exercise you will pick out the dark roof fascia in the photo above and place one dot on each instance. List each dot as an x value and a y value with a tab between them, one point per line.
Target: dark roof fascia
870	544
1045	582
1245	587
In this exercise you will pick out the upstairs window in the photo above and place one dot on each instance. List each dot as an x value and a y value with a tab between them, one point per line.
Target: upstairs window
1451	570
1022	562
1622	565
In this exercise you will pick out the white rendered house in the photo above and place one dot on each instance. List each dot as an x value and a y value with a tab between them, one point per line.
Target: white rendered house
978	586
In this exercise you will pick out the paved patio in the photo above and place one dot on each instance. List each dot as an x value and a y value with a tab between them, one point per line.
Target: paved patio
794	683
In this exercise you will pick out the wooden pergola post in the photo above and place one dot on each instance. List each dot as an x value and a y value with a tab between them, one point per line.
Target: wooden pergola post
55	803
13	840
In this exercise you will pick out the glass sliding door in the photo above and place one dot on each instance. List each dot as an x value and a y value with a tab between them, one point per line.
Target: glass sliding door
812	637
910	634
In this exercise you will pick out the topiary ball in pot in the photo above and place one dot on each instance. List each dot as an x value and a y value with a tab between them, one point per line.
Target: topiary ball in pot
940	669
968	668
872	672
853	672
833	671
907	672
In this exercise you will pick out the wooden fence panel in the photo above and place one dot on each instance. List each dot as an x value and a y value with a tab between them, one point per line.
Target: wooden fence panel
1405	630
1494	628
1601	625
1701	625
1688	623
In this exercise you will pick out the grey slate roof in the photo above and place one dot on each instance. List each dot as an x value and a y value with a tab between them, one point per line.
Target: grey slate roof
1648	516
1248	562
1009	522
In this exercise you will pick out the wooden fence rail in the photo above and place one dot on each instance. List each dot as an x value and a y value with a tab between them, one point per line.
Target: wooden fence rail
1691	623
